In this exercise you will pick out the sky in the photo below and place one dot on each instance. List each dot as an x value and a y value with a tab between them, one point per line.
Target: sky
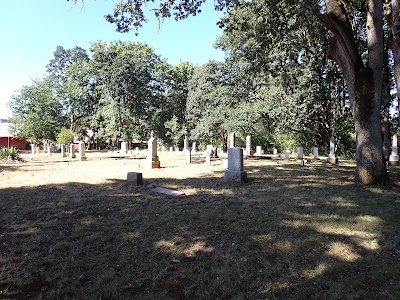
30	31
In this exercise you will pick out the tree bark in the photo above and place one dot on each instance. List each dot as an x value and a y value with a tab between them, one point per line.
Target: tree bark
364	84
395	33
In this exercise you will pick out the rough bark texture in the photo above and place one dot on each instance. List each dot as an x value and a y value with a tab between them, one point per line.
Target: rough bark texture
396	45
364	84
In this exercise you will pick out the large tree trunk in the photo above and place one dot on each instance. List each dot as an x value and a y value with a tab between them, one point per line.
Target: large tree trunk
396	46
364	84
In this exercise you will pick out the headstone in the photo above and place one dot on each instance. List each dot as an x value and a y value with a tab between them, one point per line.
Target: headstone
163	149
137	150
49	149
62	150
185	144
134	178
208	159
152	161
235	170
194	147
171	149
332	159
33	149
177	148
72	151
275	151
300	153
232	142
287	154
248	145
188	156
124	148
258	151
81	154
210	149
394	157
45	147
315	153
37	150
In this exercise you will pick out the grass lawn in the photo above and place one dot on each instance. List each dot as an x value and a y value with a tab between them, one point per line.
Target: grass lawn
75	230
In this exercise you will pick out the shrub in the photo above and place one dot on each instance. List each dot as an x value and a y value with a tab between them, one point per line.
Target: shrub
65	136
10	154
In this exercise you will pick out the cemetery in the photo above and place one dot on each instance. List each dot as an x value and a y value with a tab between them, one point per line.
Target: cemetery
155	225
267	171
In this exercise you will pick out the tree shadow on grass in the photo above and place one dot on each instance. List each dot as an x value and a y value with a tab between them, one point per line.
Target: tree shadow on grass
290	233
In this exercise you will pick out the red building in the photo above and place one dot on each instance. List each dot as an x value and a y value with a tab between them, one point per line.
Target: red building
7	140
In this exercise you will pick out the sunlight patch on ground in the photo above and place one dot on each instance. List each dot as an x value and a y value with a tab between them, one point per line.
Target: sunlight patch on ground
176	248
316	272
131	235
343	252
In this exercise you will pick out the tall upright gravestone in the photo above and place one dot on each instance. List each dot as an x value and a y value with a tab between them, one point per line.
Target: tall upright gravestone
81	153
235	170
232	138
394	157
332	158
152	161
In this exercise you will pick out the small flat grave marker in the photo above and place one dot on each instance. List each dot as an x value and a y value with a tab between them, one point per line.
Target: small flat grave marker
168	192
134	178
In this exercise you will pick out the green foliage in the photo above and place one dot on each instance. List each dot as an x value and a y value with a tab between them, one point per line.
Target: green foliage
175	130
10	154
65	136
37	111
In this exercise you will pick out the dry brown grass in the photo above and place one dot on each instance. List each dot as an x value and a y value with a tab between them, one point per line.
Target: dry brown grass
75	230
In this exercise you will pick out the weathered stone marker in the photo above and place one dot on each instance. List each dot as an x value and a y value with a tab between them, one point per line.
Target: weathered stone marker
315	153
124	148
248	145
62	150
258	151
185	143
287	154
188	156
394	157
300	153
134	178
232	142
194	147
332	158
152	161
33	149
72	151
235	170
81	154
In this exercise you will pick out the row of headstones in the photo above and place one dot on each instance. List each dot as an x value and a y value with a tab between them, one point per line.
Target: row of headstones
46	148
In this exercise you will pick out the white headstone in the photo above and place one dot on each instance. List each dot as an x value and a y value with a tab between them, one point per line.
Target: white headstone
152	161
258	150
171	149
315	153
232	142
394	157
235	165
208	159
45	147
81	154
124	148
287	154
177	148
33	149
137	150
72	151
248	145
185	144
300	153
163	149
194	147
275	151
188	156
62	150
332	149
332	146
